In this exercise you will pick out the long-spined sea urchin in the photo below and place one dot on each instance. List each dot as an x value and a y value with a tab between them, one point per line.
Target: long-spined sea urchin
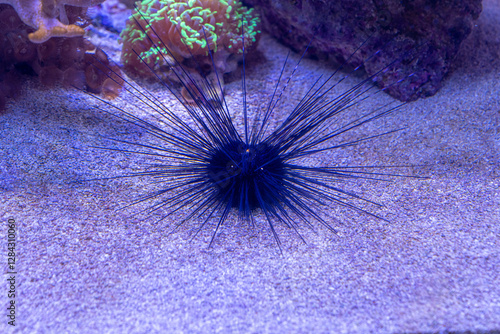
212	167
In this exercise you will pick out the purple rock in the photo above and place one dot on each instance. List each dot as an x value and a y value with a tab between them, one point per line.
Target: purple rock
421	37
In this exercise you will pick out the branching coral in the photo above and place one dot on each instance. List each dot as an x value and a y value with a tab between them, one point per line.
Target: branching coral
48	17
187	29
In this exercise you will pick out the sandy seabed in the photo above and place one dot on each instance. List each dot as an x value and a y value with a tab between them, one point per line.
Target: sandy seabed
86	267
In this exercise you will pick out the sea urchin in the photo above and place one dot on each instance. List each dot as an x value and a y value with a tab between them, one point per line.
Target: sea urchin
209	165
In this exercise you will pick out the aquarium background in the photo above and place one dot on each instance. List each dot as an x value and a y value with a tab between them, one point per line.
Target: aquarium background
85	265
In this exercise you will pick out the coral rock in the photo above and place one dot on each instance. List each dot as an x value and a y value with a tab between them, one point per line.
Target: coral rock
335	29
72	62
48	17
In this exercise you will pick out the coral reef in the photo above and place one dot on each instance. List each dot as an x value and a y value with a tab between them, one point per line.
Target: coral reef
335	28
68	61
49	18
187	29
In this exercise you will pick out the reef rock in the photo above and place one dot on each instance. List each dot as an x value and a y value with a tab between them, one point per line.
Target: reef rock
70	61
425	33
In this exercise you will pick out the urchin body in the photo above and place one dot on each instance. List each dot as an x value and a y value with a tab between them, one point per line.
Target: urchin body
247	176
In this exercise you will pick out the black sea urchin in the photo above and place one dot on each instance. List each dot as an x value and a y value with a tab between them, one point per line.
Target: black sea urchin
209	165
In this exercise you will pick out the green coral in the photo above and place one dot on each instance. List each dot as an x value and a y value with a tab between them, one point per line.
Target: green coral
180	12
